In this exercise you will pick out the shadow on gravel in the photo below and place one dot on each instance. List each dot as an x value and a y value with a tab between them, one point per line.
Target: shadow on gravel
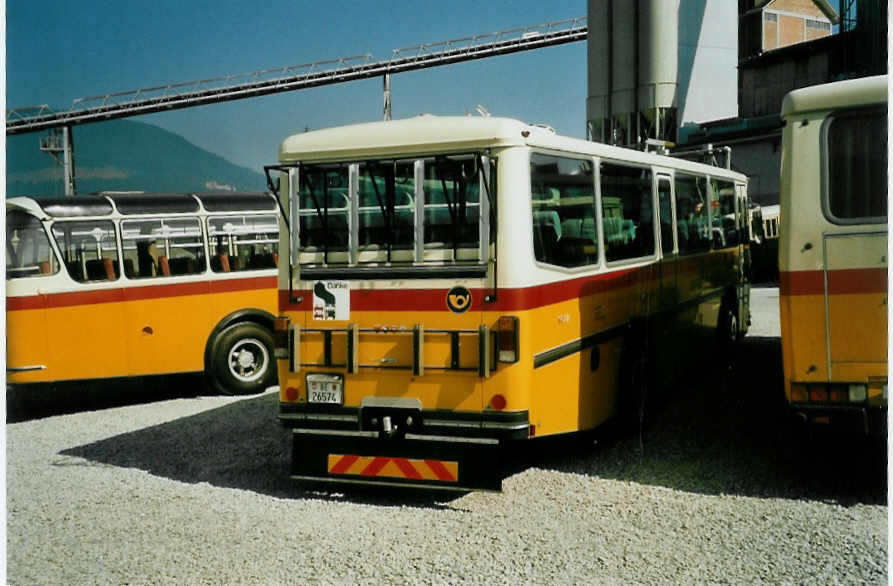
728	433
39	401
240	445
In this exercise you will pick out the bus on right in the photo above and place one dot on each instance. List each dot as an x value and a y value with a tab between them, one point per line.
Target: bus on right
833	255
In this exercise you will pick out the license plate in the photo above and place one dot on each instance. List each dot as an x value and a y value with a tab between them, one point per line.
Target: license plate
325	388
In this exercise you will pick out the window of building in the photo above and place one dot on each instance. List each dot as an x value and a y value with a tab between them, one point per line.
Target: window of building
28	250
162	247
818	24
627	211
563	202
89	249
856	167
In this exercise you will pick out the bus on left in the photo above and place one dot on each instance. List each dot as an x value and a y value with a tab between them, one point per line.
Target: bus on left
122	285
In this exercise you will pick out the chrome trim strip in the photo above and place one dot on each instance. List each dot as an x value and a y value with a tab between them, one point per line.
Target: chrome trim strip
372	434
444	438
447	423
26	368
507	425
317	417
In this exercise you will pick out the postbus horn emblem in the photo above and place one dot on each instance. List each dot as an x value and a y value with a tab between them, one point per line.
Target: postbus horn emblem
458	299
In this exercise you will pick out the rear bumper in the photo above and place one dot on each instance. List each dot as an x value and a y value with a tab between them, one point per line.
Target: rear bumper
496	425
848	419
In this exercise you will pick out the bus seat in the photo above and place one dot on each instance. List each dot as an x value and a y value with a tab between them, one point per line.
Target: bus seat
275	259
96	270
111	271
129	269
181	266
234	263
572	227
223	262
163	266
44	267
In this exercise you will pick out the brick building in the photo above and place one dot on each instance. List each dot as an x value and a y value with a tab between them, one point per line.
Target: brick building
765	25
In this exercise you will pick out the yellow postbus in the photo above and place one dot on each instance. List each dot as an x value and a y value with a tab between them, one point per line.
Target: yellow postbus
122	285
833	254
456	284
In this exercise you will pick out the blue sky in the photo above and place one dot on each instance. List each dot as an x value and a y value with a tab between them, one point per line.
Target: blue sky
59	50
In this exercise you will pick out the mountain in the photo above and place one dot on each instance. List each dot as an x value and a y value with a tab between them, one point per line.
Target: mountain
123	155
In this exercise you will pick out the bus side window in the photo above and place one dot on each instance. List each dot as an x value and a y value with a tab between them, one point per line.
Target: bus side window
691	213
28	250
563	201
722	202
627	210
162	247
89	249
243	243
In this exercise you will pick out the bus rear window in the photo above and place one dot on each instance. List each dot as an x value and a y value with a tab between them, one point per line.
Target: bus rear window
856	167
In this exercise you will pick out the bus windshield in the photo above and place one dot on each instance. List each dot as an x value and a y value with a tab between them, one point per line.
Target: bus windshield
28	250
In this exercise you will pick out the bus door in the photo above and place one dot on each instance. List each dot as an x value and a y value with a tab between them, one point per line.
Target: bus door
668	292
87	321
31	266
856	302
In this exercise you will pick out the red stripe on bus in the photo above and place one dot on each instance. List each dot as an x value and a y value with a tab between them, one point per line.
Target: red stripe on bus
118	294
375	466
407	468
848	281
507	299
840	282
344	464
440	470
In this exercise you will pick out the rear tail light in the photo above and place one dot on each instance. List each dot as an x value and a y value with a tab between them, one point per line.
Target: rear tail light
838	394
280	332
799	394
818	393
507	338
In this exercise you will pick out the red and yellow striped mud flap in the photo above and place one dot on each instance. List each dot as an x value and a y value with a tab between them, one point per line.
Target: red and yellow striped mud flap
424	463
378	466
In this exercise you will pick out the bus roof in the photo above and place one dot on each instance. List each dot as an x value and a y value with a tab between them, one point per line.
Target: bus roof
135	203
864	91
425	134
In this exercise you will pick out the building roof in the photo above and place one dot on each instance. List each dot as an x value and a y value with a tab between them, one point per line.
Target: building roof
822	5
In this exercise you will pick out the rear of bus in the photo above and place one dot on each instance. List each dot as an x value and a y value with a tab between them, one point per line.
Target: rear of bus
833	255
386	353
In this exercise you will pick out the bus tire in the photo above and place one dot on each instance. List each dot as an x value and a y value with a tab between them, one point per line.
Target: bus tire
635	379
242	361
727	333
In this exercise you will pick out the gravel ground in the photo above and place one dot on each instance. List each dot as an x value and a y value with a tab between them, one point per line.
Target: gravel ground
194	490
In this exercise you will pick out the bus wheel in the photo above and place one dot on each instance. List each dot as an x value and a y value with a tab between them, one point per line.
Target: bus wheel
242	361
727	334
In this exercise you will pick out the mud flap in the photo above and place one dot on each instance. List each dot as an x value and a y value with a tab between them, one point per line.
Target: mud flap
423	463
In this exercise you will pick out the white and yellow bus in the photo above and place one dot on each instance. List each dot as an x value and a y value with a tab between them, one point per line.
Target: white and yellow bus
119	285
454	284
833	254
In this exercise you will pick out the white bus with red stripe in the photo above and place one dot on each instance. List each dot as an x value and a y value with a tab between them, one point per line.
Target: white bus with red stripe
455	284
833	255
123	285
